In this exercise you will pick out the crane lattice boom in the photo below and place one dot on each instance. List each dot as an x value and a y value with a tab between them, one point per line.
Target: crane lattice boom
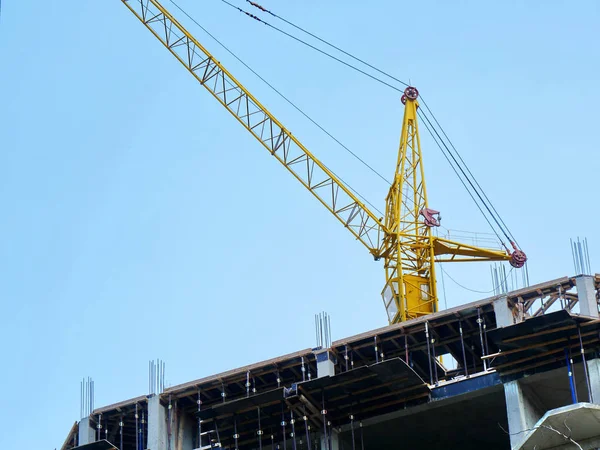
284	146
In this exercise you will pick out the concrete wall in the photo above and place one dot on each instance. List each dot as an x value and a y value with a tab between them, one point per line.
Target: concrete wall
183	433
594	374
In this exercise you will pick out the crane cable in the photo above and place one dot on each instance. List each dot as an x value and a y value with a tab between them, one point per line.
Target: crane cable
510	235
431	132
467	174
341	61
262	8
464	169
256	5
422	115
278	92
475	290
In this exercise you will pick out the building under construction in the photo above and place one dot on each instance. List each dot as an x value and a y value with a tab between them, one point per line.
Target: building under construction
517	370
527	376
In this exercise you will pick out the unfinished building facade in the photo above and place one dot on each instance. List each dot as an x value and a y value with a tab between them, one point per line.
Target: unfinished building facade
519	370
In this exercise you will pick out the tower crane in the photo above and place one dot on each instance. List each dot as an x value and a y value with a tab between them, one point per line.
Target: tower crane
403	239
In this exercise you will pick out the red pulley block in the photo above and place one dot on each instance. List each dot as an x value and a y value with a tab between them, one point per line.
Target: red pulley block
518	258
411	93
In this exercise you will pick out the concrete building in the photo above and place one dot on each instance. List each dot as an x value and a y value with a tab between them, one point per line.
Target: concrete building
519	371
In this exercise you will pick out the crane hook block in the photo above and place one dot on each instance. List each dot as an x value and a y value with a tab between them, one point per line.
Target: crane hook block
410	93
429	218
518	258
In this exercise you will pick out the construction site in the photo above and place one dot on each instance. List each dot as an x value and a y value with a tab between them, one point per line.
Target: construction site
516	370
527	379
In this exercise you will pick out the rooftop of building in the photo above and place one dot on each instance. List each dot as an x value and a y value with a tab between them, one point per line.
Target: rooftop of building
388	370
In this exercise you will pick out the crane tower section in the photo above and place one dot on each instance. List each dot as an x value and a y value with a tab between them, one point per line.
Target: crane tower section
408	247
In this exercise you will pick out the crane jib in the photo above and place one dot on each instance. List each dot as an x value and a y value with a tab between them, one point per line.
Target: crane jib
305	167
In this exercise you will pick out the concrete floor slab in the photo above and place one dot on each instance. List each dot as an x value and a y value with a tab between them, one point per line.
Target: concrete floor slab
558	428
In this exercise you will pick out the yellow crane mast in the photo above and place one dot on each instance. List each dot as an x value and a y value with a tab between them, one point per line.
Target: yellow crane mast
403	239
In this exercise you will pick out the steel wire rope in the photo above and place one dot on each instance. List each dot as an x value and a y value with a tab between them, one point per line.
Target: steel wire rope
313	47
291	103
459	177
468	170
462	166
475	290
324	41
442	274
476	187
422	114
405	84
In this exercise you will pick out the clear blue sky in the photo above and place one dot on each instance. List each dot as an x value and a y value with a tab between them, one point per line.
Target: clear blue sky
140	221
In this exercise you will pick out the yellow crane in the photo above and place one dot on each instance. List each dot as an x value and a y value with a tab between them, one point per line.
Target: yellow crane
403	238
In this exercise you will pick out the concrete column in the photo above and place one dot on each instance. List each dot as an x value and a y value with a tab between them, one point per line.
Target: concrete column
87	434
586	293
503	313
174	423
326	368
325	363
593	366
182	437
521	412
332	436
157	424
